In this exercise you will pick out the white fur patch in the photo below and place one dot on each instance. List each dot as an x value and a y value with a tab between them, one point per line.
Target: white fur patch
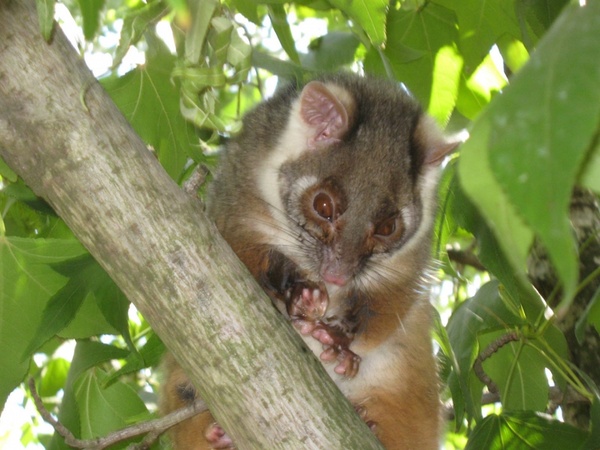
292	143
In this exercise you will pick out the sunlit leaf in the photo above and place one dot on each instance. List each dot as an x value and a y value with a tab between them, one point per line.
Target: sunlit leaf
150	101
369	14
414	40
481	23
135	25
445	83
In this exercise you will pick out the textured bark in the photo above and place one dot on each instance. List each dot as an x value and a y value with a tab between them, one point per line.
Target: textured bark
155	242
585	218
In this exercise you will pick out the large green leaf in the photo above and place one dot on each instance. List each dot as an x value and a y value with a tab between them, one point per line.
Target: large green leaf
510	239
519	372
414	40
498	257
541	129
86	277
524	430
87	355
481	23
104	409
27	281
150	101
370	15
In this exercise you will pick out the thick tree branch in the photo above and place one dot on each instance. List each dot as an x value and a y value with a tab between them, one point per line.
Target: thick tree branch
155	242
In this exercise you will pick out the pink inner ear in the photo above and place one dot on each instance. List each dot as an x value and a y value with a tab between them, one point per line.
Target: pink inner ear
325	114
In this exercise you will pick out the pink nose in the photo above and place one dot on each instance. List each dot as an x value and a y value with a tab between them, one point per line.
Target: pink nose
335	278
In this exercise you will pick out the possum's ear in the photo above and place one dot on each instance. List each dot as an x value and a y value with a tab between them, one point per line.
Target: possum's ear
435	144
327	110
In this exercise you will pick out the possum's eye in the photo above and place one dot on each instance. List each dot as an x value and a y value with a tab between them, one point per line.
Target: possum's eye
387	227
324	206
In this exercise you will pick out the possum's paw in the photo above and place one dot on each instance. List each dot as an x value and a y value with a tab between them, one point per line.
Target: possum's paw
218	438
308	302
336	345
362	412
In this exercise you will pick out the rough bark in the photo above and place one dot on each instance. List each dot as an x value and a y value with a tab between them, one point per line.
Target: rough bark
155	242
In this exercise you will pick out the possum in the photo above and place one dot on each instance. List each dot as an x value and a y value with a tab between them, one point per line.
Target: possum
328	196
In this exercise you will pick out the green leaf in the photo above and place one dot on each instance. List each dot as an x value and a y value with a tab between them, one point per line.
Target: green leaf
148	356
202	13
87	355
278	67
541	128
541	13
414	40
90	10
114	307
54	377
104	409
524	430
512	237
483	313
519	373
45	10
481	24
278	18
370	15
591	170
150	102
64	304
27	281
135	24
331	51
504	256
590	316
445	83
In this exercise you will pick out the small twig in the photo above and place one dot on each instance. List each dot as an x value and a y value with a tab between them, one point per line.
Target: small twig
489	351
555	396
465	258
196	179
153	428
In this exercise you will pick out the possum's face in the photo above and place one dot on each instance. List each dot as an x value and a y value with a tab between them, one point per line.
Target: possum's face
351	170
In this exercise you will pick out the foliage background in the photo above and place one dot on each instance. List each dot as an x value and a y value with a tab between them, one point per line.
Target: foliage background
522	76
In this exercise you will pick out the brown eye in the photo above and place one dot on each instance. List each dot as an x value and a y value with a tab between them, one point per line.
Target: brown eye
387	227
323	206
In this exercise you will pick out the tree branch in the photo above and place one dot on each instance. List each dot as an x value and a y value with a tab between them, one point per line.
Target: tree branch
154	428
157	245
